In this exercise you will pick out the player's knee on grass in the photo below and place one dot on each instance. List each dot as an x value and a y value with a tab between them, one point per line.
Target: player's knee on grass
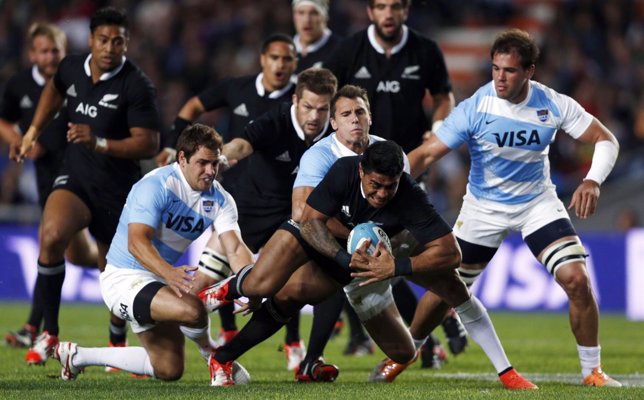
168	371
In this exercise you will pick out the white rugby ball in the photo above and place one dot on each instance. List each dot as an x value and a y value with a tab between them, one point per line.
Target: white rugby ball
364	231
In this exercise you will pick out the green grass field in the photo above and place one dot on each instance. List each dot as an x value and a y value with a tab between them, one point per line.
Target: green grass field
539	345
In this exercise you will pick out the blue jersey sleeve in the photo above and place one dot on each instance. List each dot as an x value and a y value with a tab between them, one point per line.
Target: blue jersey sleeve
455	130
314	164
146	202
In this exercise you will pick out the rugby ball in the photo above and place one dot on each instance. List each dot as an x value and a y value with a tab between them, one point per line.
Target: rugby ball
364	231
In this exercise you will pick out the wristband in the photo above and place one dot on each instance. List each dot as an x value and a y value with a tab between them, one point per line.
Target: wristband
604	158
177	127
172	154
402	266
343	258
437	124
223	162
101	145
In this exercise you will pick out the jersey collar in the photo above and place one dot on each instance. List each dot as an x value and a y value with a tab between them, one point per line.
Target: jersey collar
298	128
106	75
313	47
371	34
276	94
38	78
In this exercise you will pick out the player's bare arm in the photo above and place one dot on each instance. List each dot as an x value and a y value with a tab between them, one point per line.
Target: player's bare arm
239	255
237	149
298	198
584	199
430	151
48	105
317	234
179	279
143	142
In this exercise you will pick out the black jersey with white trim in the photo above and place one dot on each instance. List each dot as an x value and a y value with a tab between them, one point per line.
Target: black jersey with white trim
318	53
278	145
396	85
246	100
340	195
122	99
19	102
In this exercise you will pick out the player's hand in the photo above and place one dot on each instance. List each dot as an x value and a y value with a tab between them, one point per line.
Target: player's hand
181	279
584	199
372	268
81	134
26	145
165	157
246	308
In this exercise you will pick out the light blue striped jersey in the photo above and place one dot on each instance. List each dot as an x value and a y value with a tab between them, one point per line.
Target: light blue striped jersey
317	160
509	142
163	200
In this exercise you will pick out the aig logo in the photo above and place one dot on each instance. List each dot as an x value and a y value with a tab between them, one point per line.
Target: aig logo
388	86
86	109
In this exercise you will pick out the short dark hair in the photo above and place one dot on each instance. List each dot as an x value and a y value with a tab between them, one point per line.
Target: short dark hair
384	157
317	80
109	16
350	92
198	135
518	41
277	37
405	3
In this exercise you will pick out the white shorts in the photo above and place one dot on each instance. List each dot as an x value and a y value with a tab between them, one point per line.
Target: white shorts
120	286
369	301
487	223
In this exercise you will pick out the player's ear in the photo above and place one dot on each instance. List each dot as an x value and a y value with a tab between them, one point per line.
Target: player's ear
294	99
181	157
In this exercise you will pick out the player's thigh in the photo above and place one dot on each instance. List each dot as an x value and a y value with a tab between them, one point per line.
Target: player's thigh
166	306
65	214
81	249
480	224
447	285
309	284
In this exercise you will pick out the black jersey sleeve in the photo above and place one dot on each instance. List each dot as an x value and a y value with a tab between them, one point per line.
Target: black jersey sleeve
10	103
216	96
328	195
437	77
416	212
64	70
263	131
142	111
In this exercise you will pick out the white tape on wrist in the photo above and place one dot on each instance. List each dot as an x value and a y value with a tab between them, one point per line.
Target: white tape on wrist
604	158
437	124
172	154
101	145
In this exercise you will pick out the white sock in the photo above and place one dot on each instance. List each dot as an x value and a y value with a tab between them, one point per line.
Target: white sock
479	326
201	336
131	359
590	358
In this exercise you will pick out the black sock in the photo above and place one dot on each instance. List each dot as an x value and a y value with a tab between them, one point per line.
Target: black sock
324	316
53	276
264	323
118	331
227	317
357	333
293	330
405	299
37	304
235	284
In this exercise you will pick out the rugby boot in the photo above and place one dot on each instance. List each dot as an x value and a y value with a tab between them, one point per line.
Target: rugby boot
295	353
214	296
65	352
387	370
600	379
316	371
41	349
23	337
512	380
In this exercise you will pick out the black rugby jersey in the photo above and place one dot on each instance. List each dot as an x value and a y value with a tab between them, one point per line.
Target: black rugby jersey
19	102
339	194
278	146
319	52
396	85
246	98
122	99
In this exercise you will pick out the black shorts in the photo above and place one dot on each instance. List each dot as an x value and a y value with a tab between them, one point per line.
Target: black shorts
258	225
339	273
47	169
105	203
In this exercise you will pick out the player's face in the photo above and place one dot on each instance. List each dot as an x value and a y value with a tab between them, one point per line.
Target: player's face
108	44
378	189
46	54
309	23
201	169
278	63
388	17
351	121
510	78
312	112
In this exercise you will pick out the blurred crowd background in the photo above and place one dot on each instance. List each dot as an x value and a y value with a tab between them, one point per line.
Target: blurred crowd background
592	50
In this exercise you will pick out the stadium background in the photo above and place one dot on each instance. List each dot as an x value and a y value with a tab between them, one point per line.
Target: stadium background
591	50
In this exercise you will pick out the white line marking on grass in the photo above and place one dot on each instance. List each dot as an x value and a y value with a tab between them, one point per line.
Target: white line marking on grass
630	380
